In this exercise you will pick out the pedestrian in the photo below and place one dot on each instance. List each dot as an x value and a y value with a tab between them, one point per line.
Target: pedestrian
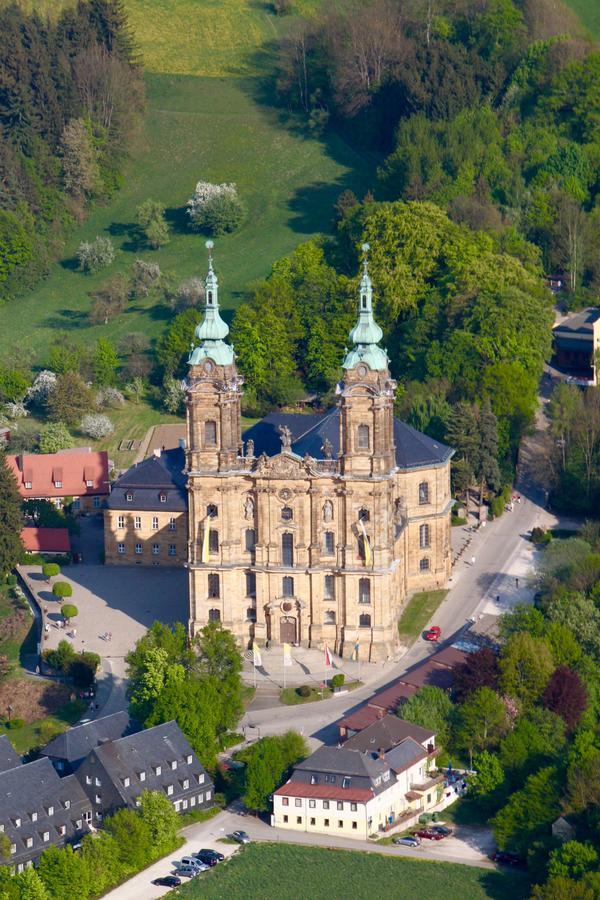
472	560
497	598
97	707
517	581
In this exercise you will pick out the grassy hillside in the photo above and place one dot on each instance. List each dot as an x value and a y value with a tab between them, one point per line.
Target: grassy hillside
196	128
589	13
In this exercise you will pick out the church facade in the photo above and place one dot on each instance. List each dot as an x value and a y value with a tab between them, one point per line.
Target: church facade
310	529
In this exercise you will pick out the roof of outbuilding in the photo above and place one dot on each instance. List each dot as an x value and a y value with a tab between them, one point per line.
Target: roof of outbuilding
309	432
46	540
77	742
148	479
9	758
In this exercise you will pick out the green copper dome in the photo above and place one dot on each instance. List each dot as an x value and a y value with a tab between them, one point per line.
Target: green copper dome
366	334
212	330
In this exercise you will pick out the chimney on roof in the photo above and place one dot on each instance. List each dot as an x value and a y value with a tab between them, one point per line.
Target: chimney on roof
380	713
157	452
182	443
381	753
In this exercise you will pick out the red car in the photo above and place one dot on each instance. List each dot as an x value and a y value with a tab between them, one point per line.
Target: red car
433	634
430	835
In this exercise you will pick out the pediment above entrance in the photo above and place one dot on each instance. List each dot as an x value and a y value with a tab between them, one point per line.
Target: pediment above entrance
283	465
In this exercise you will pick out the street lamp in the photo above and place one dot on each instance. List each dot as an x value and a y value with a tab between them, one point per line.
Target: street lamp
10	710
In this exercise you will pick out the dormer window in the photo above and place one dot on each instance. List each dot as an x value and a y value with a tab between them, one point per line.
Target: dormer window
58	484
189	759
13	849
210	298
67	804
129	497
89	483
345	782
162	498
186	783
29	842
34	817
126	782
157	770
174	764
169	790
142	776
28	485
50	810
46	836
17	822
62	830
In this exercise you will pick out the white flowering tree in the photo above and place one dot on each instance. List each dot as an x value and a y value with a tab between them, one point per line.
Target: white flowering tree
42	387
96	426
15	410
215	208
110	397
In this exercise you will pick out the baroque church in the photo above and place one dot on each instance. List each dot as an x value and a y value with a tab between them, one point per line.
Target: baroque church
310	529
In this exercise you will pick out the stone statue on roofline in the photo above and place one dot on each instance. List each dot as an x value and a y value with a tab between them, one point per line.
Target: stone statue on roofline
286	437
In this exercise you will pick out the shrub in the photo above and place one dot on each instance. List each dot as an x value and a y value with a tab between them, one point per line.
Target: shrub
42	386
15	723
338	680
62	589
539	536
458	520
497	505
61	658
11	580
145	276
304	690
95	255
215	208
189	293
82	670
55	436
50	570
96	426
173	397
69	611
15	410
111	397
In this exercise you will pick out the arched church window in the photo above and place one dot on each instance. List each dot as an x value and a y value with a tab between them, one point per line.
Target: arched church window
210	433
424	565
287	514
424	492
287	549
329	543
212	511
250	540
424	536
214	615
209	298
363	442
329	617
213	541
364	590
364	620
287	586
214	587
364	515
251	614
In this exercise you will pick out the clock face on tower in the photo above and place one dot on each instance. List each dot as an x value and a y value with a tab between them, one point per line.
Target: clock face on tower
208	367
362	371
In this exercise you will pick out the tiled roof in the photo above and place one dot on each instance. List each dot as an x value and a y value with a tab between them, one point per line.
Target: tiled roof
75	743
341	761
386	733
148	480
405	754
361	718
73	468
309	432
324	792
581	323
9	758
392	696
49	540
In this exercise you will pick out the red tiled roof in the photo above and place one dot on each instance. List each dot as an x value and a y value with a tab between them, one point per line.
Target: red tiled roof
46	540
323	792
73	468
360	719
392	696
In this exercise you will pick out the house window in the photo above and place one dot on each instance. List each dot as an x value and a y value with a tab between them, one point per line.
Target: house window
210	433
314	779
192	801
34	817
250	584
88	779
299	820
355	825
154	523
326	823
214	615
340	823
364	620
58	484
98	798
137	522
250	537
364	590
155	549
325	804
138	548
129	497
285	820
162	498
287	514
424	492
96	502
201	778
46	836
186	784
89	483
329	587
172	524
287	549
313	821
329	543
285	801
214	587
28	485
97	782
345	782
424	536
208	796
424	565
213	541
169	790
76	504
353	807
212	511
329	618
298	801
340	804
287	585
312	804
126	782
121	548
251	614
121	522
362	437
172	550
189	758
142	776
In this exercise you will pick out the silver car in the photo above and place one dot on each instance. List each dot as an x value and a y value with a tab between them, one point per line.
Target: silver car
410	840
187	871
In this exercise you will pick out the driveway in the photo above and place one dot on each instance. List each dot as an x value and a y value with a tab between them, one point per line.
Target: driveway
465	848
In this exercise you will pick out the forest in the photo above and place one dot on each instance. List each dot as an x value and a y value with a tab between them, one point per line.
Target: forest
71	96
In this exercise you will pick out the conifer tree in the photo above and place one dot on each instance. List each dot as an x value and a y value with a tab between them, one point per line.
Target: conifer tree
11	519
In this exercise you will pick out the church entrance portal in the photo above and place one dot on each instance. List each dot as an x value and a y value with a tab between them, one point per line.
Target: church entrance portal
287	630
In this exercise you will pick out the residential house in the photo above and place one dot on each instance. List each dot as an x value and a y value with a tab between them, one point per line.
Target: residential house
146	518
355	792
115	772
577	342
39	809
81	475
68	750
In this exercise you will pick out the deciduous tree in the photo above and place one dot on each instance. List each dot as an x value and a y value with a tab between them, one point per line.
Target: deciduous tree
70	400
11	519
566	696
525	667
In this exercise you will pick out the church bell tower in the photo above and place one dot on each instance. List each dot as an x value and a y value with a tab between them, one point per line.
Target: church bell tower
213	390
367	394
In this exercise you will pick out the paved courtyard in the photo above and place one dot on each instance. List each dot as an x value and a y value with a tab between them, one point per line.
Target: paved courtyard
116	606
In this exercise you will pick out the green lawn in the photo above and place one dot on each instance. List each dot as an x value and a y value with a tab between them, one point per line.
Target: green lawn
287	872
40	732
589	13
210	128
418	612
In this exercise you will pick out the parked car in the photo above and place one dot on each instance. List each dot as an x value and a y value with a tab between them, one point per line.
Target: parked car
241	837
209	857
429	835
503	858
192	861
433	634
409	840
167	881
188	871
442	829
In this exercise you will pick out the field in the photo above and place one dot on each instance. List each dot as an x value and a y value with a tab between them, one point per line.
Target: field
589	13
417	614
287	872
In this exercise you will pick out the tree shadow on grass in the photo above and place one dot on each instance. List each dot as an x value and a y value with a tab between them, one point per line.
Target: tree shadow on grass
177	219
71	264
68	319
506	885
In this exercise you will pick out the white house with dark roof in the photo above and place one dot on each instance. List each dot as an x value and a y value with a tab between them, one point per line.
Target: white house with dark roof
39	809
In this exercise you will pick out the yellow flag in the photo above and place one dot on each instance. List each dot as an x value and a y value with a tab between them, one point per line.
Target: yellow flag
205	540
287	655
367	546
257	658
